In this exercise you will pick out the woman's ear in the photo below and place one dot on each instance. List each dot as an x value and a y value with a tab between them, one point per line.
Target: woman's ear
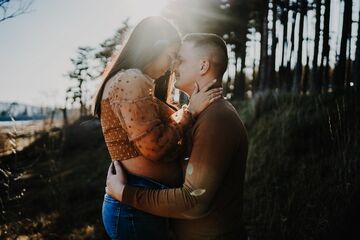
204	66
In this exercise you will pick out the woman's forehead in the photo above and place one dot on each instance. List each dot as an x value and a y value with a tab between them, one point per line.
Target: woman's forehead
187	50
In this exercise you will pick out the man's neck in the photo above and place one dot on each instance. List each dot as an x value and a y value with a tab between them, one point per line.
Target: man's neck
207	79
202	82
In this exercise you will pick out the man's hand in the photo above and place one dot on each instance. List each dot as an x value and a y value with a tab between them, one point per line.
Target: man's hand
115	181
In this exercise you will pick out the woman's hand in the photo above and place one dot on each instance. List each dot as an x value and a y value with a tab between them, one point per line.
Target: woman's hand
199	100
115	180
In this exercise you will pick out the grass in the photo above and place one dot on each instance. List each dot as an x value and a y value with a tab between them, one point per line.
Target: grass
302	179
64	188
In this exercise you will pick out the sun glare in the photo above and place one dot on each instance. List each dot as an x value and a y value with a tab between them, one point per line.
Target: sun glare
152	7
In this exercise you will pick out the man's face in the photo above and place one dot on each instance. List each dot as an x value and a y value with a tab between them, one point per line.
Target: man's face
187	68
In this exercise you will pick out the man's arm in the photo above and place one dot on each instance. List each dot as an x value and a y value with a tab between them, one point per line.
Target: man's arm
212	152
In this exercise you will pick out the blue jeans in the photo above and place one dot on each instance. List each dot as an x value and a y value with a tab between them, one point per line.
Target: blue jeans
127	223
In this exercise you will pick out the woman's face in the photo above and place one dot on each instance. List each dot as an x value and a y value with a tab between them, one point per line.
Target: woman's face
163	63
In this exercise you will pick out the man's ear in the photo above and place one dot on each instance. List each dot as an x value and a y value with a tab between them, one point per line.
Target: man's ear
204	66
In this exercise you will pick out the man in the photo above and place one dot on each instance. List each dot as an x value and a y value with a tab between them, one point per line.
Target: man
209	204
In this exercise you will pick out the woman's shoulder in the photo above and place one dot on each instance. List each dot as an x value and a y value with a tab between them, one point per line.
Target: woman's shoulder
131	84
131	77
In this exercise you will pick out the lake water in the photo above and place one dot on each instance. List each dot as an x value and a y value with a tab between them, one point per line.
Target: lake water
11	123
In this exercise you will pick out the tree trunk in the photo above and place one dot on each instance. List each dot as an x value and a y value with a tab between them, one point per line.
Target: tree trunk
240	51
272	64
340	77
298	68
237	77
242	73
285	21
324	70
356	73
315	84
263	78
292	50
65	118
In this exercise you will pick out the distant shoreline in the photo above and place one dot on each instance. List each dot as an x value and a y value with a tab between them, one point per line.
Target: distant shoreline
23	118
4	123
16	135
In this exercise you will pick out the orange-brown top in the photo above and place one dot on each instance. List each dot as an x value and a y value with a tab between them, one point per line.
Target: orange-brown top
135	122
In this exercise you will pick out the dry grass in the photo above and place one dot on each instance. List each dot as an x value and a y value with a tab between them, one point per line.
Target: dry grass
302	179
63	186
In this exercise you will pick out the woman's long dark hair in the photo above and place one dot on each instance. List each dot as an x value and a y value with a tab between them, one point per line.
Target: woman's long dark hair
146	42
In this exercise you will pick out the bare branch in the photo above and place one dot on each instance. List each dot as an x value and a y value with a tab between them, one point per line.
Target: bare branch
14	8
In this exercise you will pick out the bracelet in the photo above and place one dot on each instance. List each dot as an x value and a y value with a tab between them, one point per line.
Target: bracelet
187	111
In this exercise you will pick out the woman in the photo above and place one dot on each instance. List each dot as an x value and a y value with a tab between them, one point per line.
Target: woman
140	130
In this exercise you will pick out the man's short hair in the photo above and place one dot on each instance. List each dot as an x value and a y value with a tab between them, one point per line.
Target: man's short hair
216	47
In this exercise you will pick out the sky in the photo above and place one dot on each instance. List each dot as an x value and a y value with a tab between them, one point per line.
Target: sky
35	48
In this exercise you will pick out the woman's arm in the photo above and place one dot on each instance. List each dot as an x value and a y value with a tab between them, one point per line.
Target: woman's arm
132	101
211	155
131	98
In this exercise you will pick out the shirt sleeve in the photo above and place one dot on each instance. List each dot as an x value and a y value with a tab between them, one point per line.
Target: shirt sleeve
209	162
165	111
132	100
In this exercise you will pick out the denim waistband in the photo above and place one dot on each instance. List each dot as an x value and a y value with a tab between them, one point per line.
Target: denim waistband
141	181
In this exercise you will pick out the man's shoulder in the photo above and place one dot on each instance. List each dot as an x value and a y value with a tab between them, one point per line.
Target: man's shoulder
218	111
220	115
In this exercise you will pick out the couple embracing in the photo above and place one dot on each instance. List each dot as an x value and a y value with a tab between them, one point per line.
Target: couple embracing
176	173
